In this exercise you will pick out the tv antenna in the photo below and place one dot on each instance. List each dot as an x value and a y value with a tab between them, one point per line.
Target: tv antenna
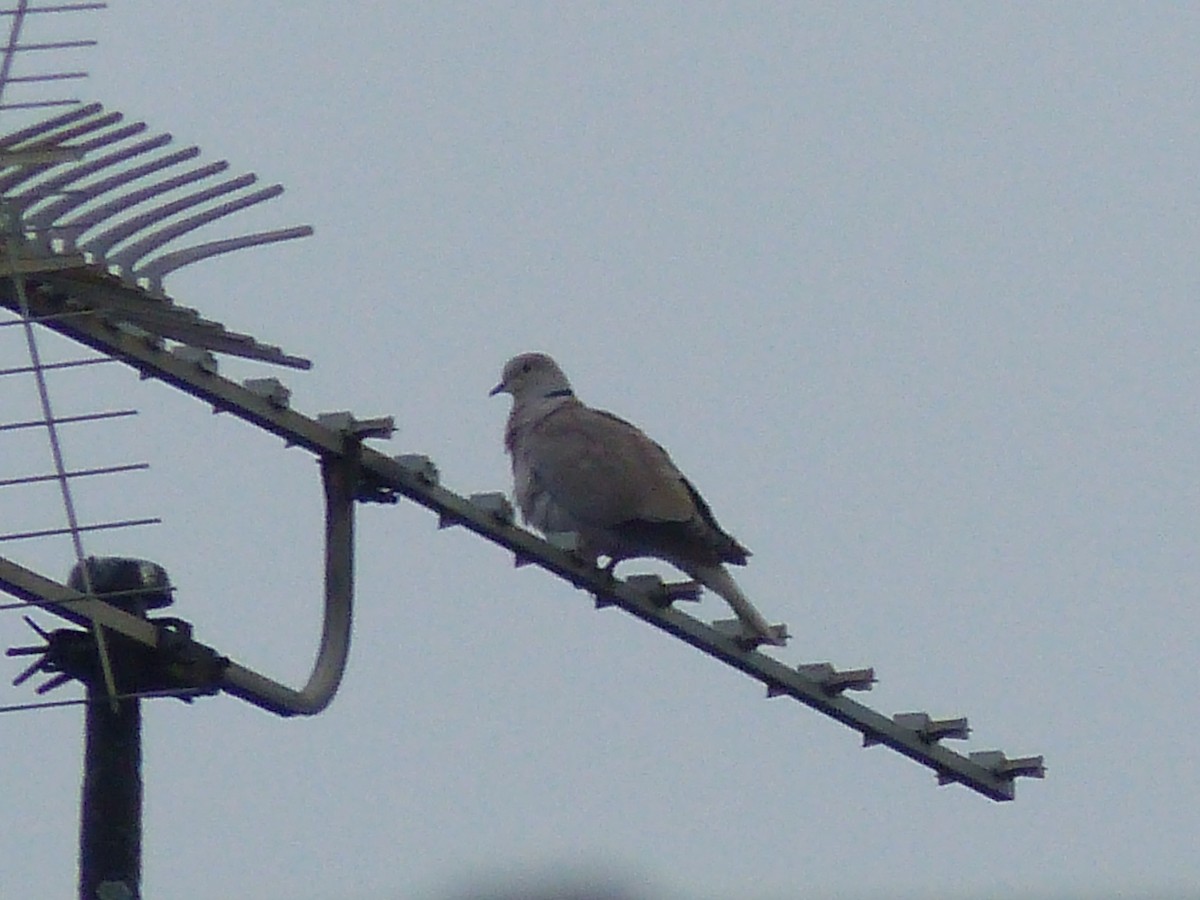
94	213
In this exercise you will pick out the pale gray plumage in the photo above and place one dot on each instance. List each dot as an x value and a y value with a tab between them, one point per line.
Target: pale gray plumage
583	470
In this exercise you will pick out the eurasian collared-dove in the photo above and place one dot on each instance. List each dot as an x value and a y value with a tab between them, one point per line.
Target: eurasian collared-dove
583	470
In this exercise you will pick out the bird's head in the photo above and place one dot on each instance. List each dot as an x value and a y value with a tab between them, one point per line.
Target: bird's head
532	376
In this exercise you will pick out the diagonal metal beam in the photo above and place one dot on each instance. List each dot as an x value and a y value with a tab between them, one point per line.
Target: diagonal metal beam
386	478
71	605
114	302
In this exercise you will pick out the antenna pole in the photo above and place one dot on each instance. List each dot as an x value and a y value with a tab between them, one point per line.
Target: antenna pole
110	817
110	830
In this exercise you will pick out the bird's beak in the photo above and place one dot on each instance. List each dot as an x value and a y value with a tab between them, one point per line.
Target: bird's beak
498	389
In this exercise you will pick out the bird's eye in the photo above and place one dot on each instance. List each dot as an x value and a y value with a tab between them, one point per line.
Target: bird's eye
528	367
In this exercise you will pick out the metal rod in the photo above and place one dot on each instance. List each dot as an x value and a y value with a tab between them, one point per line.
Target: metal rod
102	243
58	7
50	76
340	478
40	128
67	420
50	45
108	596
59	183
69	364
74	473
39	104
106	138
77	129
81	701
74	314
77	529
161	266
103	212
129	256
46	217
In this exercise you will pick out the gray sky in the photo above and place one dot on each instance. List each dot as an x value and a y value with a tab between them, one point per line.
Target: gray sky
912	295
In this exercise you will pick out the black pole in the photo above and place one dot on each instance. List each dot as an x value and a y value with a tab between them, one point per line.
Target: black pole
110	831
110	818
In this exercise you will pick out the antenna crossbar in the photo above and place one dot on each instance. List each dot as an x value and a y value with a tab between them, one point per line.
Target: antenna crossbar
57	7
73	473
66	364
77	529
67	420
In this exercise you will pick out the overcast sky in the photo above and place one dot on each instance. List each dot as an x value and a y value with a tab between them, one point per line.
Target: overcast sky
911	294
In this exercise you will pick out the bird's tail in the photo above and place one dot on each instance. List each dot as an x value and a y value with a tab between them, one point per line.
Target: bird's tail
717	579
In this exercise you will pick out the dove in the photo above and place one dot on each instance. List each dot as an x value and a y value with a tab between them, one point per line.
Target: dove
584	470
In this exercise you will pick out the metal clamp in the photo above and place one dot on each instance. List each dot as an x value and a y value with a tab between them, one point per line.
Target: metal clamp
833	681
360	429
745	637
931	730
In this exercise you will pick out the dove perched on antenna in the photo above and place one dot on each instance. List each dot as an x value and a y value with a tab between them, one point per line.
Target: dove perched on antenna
583	470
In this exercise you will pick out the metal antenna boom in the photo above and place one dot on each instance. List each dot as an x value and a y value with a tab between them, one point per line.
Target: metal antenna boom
264	404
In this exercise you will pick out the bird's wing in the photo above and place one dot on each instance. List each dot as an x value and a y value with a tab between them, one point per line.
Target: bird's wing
604	471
